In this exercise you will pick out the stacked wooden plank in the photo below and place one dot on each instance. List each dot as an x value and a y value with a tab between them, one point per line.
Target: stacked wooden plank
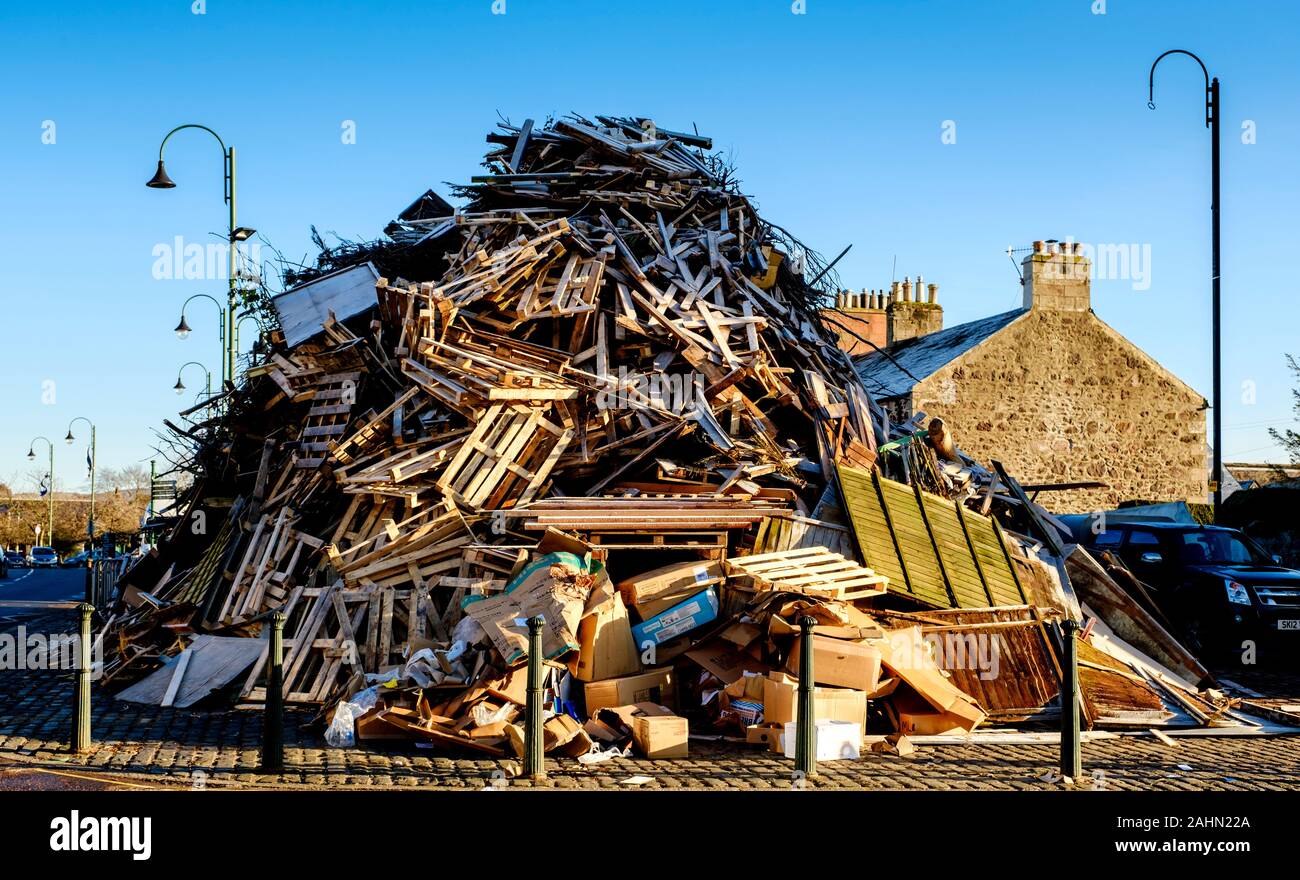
606	306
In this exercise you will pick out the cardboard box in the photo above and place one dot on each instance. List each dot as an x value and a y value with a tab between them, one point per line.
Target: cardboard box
764	734
945	707
835	740
725	661
657	606
837	662
652	686
605	646
680	577
691	614
781	701
660	734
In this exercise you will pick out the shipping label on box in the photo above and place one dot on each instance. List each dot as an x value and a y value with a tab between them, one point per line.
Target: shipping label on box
691	614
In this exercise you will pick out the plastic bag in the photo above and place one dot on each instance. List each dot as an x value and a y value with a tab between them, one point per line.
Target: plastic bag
342	731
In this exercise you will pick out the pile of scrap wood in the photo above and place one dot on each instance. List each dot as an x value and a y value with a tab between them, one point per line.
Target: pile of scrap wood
603	397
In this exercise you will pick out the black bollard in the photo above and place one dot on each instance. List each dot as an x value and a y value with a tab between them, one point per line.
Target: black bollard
1071	755
805	748
81	705
273	711
534	764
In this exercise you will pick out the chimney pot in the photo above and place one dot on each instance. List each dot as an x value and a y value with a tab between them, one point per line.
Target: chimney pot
907	288
1040	246
934	293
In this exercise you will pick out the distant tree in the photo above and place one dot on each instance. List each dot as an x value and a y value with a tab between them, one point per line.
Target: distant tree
1287	437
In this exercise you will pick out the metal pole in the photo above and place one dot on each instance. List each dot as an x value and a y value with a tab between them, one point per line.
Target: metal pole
229	317
273	712
534	764
81	697
805	750
90	527
1215	112
1071	756
49	538
1212	113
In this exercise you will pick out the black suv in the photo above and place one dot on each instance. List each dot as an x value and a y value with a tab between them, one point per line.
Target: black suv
1212	582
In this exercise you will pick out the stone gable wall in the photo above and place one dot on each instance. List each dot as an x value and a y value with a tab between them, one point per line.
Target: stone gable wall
1057	397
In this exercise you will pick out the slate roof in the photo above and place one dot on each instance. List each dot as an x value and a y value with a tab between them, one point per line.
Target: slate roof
922	356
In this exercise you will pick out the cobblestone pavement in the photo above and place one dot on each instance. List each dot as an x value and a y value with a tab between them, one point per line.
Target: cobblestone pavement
147	745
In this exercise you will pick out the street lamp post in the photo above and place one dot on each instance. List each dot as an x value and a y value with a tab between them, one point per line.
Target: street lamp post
179	387
183	328
234	235
90	523
31	456
1213	112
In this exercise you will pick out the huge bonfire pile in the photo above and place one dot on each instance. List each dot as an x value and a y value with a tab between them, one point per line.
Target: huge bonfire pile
600	392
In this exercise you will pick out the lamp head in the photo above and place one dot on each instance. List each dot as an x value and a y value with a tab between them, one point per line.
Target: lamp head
182	329
68	439
31	454
243	233
179	387
160	180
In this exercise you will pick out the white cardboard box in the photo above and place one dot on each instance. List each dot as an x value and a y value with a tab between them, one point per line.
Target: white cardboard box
836	740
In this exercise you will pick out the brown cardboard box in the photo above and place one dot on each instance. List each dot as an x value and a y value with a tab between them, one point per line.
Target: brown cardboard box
845	664
605	648
763	734
781	701
724	660
944	706
687	578
658	735
651	686
658	605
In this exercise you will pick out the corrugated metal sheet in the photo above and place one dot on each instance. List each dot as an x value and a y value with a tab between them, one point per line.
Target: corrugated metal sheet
932	550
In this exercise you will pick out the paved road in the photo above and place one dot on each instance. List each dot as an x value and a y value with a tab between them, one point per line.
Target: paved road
42	585
135	744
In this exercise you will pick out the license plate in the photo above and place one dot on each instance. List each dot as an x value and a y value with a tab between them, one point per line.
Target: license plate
1289	625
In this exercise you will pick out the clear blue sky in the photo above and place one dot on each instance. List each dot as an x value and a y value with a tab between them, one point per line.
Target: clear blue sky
834	117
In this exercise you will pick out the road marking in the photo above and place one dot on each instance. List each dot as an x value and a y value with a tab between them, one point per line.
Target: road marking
27	573
101	780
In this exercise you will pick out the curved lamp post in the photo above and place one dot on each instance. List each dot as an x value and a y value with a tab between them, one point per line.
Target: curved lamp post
249	316
31	456
90	523
183	329
1213	112
235	234
179	387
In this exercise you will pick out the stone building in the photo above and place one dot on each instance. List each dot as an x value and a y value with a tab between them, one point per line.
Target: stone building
1051	391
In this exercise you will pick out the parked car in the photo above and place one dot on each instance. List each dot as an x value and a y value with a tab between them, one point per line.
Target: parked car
43	557
74	561
1214	583
15	559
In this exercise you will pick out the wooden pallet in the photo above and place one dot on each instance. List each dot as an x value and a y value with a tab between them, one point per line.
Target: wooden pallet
507	458
332	398
812	570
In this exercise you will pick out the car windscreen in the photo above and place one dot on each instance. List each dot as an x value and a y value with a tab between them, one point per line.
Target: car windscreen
1217	548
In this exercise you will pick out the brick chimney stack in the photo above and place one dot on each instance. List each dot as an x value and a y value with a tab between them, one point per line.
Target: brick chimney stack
1057	277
